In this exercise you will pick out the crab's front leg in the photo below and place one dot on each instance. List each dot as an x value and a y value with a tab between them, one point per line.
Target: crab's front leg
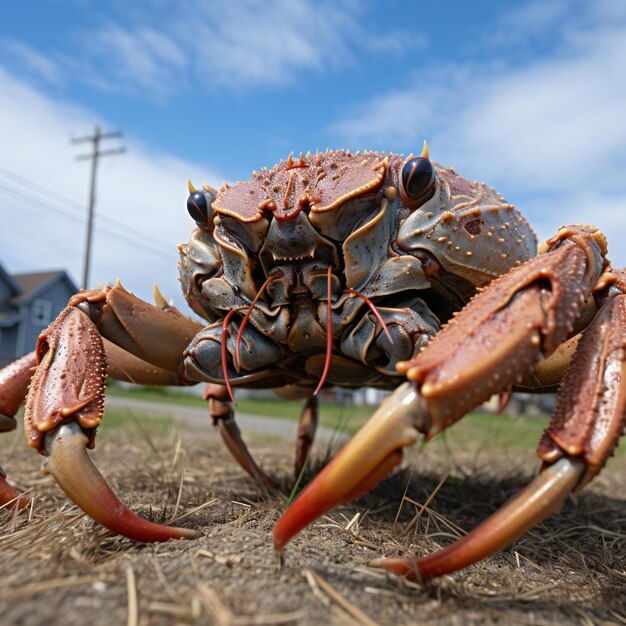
497	338
223	418
65	402
14	379
589	417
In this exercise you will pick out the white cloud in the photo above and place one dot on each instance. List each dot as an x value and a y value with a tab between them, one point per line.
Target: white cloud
541	124
157	49
261	43
265	43
142	59
552	127
144	189
530	21
604	210
33	61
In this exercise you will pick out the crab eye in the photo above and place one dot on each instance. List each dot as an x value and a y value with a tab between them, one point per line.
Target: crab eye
418	176
199	206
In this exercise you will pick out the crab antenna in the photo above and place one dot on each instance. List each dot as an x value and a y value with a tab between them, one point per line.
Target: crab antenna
223	346
329	335
246	317
374	310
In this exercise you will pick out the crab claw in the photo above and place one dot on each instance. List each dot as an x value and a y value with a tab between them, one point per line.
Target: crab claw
69	462
64	407
366	460
498	336
542	497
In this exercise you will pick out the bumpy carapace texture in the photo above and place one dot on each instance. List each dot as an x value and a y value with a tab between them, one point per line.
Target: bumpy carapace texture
420	259
321	182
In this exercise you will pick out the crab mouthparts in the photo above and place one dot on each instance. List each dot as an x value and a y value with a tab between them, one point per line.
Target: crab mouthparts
294	259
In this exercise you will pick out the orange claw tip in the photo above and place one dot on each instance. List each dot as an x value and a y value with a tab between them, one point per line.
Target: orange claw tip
326	492
68	461
365	461
313	502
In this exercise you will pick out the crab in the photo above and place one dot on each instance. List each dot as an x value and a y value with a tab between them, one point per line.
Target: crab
348	270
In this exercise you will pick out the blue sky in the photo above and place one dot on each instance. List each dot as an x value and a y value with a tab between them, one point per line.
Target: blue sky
527	96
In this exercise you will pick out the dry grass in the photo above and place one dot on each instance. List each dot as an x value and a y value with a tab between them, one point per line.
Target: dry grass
59	567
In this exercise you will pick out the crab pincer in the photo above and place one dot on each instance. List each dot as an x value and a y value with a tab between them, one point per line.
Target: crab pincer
519	319
64	407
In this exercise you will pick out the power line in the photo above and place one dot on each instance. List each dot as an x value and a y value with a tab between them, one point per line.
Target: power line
94	157
69	202
115	235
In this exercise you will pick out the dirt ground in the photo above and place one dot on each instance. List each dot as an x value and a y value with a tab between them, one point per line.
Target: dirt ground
58	567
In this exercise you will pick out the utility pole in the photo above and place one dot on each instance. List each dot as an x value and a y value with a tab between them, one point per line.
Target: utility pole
93	157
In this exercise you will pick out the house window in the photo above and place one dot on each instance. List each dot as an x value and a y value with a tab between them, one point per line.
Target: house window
41	313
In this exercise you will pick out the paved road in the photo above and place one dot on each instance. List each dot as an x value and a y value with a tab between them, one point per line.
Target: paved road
195	418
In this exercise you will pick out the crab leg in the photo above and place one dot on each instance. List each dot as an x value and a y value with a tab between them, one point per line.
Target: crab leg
588	420
138	327
590	414
122	365
14	379
63	410
8	494
223	417
498	337
307	425
542	497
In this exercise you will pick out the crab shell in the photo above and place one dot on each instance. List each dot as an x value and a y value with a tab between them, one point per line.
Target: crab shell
418	260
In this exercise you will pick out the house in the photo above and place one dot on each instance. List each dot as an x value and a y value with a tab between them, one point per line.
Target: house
28	303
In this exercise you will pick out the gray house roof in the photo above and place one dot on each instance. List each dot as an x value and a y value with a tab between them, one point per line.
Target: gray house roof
31	285
24	288
28	303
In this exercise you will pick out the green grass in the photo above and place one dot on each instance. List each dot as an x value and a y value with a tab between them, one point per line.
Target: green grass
500	431
473	430
155	394
116	419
